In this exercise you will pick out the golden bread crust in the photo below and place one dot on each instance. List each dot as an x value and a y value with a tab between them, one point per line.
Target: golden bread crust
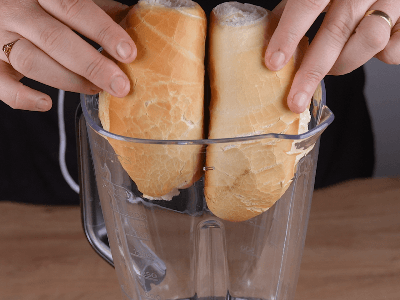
247	99
166	98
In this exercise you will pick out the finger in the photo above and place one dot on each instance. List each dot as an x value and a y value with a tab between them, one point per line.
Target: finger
338	25
391	53
296	19
68	49
116	10
278	10
33	63
17	95
91	21
370	37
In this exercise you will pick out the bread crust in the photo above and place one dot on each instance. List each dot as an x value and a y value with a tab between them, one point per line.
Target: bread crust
166	100
245	179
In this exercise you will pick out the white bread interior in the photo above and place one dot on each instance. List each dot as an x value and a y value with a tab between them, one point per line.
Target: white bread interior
245	179
166	101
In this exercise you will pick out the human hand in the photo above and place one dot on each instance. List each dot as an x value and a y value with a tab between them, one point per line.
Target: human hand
49	51
345	41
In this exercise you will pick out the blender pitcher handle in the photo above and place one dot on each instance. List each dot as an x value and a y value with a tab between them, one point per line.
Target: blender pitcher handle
91	213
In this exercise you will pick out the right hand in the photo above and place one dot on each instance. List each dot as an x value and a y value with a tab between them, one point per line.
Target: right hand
346	40
49	51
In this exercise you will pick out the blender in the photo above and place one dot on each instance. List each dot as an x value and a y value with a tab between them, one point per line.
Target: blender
178	249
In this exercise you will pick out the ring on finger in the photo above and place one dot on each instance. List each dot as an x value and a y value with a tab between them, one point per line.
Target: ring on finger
7	49
381	14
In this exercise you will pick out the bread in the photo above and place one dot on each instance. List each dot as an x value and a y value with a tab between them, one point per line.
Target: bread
245	179
166	101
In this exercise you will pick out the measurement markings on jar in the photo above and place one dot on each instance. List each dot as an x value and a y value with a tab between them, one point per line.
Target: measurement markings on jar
119	193
152	296
143	236
136	217
138	229
149	276
141	254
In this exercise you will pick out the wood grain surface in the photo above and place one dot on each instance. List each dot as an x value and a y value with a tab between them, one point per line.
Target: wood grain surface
352	249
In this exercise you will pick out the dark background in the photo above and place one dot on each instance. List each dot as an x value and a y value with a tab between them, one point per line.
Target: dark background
29	141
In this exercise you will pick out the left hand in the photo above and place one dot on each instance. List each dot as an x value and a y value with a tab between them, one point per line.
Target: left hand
346	40
47	46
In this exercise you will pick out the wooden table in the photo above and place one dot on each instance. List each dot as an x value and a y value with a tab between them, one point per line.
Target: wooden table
352	249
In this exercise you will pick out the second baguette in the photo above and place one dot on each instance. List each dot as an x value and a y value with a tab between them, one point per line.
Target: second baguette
245	179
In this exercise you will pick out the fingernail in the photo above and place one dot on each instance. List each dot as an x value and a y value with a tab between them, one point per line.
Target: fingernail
300	102
118	85
277	60
124	50
42	105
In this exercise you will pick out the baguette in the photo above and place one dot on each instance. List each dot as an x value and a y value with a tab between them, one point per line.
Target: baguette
245	179
166	101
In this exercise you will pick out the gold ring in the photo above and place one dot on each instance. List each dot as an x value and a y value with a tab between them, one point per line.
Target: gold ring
7	49
380	14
